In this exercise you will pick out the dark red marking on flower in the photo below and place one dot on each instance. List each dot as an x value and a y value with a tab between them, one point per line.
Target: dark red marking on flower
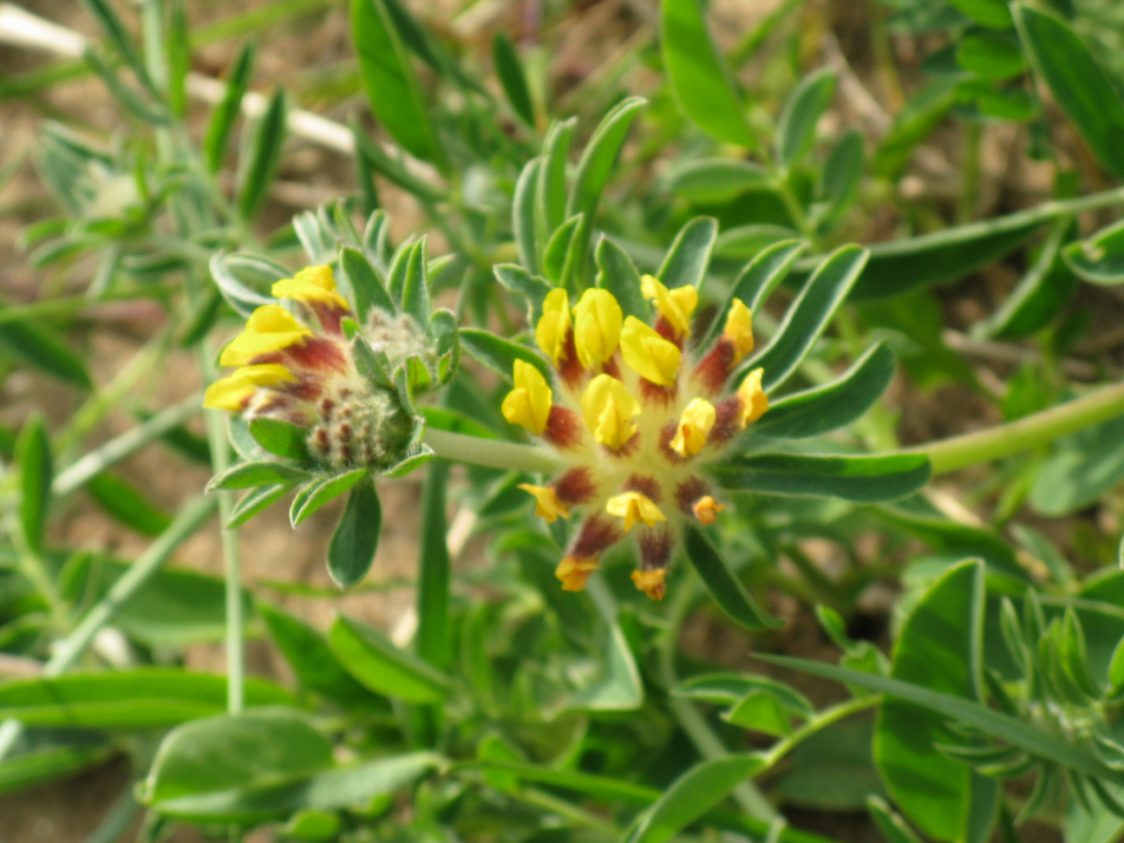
563	427
655	549
689	491
317	354
597	533
727	420
320	440
569	366
714	369
627	449
667	433
303	389
646	486
612	367
655	394
329	315
575	486
666	330
327	406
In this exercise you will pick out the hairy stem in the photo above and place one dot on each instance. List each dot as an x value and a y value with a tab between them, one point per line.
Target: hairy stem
491	453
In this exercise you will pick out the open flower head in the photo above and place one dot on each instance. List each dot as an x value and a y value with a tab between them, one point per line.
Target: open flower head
636	415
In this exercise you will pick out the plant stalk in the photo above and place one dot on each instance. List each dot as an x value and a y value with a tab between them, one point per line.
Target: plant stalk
491	453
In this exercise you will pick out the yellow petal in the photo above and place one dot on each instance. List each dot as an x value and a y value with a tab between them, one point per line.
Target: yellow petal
547	505
270	328
676	306
229	393
754	402
574	571
706	509
650	355
739	329
608	410
633	507
554	325
652	583
597	327
694	427
313	284
528	405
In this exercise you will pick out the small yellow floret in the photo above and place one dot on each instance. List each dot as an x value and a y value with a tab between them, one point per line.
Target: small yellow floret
633	507
754	402
270	328
528	405
739	329
608	410
650	355
574	571
230	393
651	582
676	306
706	509
554	325
547	505
313	284
597	327
694	427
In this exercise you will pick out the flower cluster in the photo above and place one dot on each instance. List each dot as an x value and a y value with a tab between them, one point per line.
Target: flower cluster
635	416
307	376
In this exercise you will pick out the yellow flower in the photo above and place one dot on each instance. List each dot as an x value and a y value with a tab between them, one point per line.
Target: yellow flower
554	325
597	327
754	402
650	355
528	405
608	409
676	306
230	393
739	329
633	507
706	509
547	505
652	583
694	427
312	285
574	571
270	328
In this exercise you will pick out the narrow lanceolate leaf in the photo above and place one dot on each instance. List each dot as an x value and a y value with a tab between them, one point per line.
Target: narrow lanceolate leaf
699	78
368	290
225	113
255	501
716	179
281	438
324	490
809	314
353	545
565	252
378	664
801	113
863	479
723	586
263	152
499	354
842	174
600	156
689	255
1100	259
551	193
249	474
41	347
618	274
415	289
36	471
514	83
1079	84
692	795
433	640
245	281
523	219
390	81
834	405
1040	294
939	647
759	278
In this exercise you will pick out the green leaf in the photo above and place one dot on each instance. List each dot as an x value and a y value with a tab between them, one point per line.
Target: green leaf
263	152
245	281
600	157
717	179
1079	84
551	194
123	43
893	827
368	290
280	438
699	77
521	282
313	825
499	354
415	288
127	504
686	261
249	474
506	62
322	491
39	346
523	216
833	405
1100	258
729	688
842	174
45	765
863	479
692	795
434	642
381	666
565	252
993	13
137	698
724	588
618	274
939	647
759	278
759	711
990	56
745	242
389	80
1084	467
36	473
801	114
830	770
225	113
353	545
308	654
808	316
256	501
392	168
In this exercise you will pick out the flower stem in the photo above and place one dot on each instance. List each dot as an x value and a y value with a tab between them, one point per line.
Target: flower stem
1026	433
491	453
